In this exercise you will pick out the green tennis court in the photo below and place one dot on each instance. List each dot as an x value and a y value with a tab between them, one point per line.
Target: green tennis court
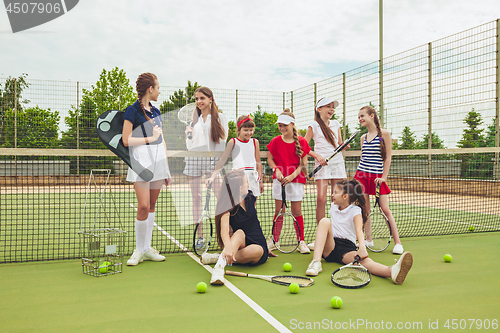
57	297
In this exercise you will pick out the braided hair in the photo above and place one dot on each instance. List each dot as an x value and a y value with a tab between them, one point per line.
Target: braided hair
142	84
370	110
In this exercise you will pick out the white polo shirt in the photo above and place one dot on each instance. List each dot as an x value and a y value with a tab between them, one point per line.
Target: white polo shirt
343	221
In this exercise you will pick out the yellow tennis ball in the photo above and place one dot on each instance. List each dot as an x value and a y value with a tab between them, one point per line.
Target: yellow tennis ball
471	228
287	267
103	269
294	288
447	258
201	287
336	302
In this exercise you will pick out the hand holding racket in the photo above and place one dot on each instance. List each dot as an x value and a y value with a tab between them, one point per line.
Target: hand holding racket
284	280
352	276
185	115
377	226
337	150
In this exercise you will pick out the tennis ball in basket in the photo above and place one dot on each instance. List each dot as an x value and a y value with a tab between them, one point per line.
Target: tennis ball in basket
201	287
336	302
471	228
447	258
294	288
103	269
287	267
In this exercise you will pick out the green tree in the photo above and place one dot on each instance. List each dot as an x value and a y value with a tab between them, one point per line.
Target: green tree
408	139
474	165
36	128
436	142
490	135
265	127
232	130
10	97
180	98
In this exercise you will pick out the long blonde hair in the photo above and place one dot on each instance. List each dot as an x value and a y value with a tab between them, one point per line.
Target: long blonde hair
327	131
217	131
370	110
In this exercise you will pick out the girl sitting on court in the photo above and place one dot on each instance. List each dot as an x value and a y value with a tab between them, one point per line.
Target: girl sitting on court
236	211
373	168
245	153
336	238
142	133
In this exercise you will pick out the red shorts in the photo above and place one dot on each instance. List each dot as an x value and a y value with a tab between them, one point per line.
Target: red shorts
367	180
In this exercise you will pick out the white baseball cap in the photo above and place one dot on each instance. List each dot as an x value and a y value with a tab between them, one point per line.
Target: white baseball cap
325	101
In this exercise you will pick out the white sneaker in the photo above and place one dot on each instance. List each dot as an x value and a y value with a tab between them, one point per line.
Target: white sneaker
270	245
152	254
303	248
398	249
311	246
370	243
217	275
401	268
135	259
209	258
314	268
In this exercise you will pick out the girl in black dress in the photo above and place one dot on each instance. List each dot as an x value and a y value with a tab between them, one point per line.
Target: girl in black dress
237	227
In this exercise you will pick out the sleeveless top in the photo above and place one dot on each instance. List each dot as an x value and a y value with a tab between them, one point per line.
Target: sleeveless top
248	222
243	154
371	157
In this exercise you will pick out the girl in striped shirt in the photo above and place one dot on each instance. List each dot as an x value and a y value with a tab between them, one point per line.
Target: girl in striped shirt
374	167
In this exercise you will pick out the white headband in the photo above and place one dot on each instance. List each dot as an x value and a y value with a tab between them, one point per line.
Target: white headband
326	101
285	120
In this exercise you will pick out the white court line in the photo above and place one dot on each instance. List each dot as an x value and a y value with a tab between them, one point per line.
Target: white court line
251	303
436	219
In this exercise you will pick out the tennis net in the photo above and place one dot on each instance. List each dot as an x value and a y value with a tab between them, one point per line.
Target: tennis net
46	198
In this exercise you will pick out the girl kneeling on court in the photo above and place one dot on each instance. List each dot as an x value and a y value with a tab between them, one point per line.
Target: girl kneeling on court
236	211
336	238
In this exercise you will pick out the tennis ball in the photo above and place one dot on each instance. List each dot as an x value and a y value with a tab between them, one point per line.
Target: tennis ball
471	228
336	302
201	287
103	269
287	267
294	288
447	258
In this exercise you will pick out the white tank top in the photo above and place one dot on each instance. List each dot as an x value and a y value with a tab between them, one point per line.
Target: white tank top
243	154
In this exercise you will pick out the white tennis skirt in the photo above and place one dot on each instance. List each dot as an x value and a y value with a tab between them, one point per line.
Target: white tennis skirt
331	171
151	157
293	191
253	181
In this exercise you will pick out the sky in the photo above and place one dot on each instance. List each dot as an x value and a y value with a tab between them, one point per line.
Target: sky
251	45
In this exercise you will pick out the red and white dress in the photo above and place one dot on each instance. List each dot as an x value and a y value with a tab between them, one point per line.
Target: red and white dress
243	155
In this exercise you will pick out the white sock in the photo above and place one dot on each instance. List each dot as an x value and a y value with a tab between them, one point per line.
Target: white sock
149	233
221	262
141	228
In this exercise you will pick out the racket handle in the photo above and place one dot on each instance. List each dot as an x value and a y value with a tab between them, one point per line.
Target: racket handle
315	171
190	135
236	273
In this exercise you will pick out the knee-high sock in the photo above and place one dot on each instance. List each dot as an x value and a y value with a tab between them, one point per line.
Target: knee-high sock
149	233
277	228
300	221
141	229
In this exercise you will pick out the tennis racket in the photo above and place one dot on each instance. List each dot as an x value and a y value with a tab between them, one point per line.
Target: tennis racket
203	232
378	227
337	150
352	276
285	232
185	115
284	280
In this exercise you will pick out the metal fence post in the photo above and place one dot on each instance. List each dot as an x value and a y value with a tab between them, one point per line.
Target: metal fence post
496	164
236	103
381	60
315	94
343	107
77	125
291	100
15	113
429	103
283	100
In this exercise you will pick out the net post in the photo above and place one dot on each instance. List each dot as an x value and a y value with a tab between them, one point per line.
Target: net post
77	125
381	60
343	106
315	93
429	102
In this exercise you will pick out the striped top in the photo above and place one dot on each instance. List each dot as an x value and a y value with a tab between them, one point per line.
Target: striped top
371	157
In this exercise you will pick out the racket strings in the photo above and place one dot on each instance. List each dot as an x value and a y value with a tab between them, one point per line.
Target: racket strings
287	280
351	276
